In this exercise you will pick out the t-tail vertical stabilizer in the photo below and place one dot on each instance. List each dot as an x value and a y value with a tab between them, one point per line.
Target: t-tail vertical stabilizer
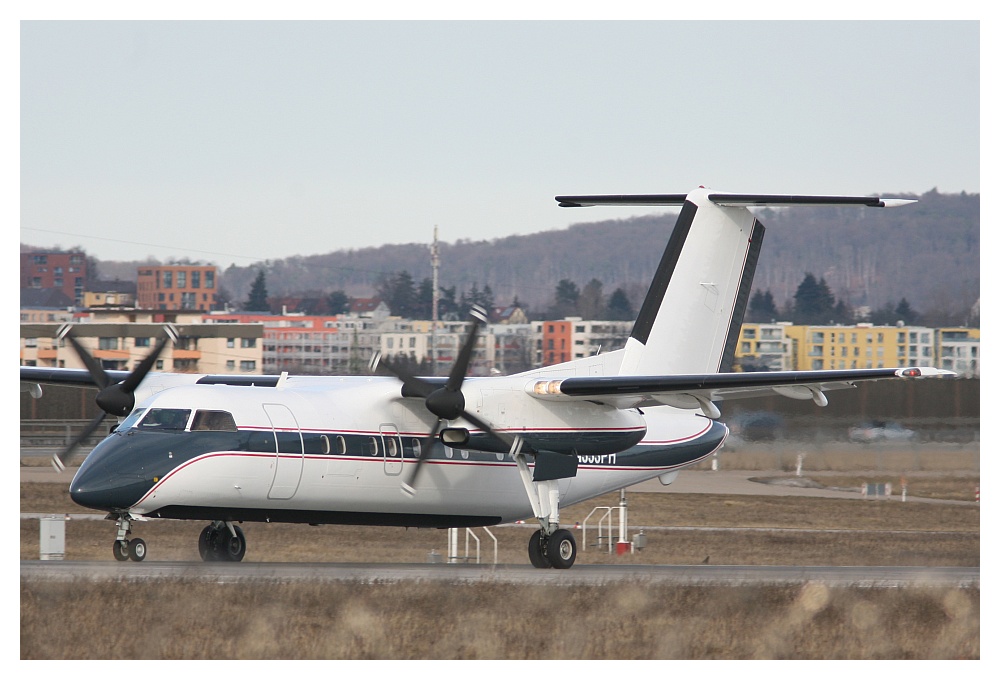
690	320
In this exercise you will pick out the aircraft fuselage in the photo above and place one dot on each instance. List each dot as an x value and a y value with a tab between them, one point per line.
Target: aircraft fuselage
304	455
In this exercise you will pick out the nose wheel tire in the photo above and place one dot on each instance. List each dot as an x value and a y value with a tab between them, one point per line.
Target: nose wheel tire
137	549
134	550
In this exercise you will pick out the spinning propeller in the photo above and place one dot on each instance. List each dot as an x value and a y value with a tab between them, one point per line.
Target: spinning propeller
114	399
447	402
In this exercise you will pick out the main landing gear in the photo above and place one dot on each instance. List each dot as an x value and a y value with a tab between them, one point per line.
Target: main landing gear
556	551
550	546
222	542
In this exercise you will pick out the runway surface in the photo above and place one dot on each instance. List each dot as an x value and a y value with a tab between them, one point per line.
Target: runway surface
871	577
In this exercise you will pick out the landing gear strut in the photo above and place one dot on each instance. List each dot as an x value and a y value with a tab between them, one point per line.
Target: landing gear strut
125	549
550	546
222	542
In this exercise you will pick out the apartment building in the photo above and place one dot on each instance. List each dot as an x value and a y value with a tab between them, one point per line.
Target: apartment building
318	345
120	340
958	350
575	338
62	270
846	347
177	287
763	347
500	347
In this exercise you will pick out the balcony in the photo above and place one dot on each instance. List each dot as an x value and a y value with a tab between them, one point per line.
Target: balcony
186	354
112	354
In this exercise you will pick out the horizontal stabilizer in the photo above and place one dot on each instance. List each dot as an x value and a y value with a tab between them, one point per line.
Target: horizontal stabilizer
732	200
633	199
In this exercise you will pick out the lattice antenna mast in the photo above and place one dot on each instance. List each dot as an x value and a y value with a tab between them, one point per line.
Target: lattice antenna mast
435	262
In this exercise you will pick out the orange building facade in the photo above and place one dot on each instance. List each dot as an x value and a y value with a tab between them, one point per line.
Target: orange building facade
177	287
557	342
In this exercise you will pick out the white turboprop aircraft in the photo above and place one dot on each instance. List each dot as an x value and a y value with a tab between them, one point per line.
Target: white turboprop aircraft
450	452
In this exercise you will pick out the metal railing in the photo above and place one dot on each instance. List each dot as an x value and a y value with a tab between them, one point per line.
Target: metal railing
453	555
604	523
59	433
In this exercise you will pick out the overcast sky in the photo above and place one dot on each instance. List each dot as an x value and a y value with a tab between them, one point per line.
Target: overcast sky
234	142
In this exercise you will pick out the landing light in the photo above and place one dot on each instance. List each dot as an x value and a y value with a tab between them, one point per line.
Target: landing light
547	387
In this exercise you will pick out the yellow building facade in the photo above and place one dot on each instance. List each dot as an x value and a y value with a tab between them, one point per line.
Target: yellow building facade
788	347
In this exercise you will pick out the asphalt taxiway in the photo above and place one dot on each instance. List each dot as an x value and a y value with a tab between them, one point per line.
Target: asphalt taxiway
588	574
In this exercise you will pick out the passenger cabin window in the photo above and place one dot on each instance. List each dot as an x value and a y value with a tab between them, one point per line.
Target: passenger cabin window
219	421
315	443
165	419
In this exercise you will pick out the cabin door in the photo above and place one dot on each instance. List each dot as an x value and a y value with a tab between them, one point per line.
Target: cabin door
392	449
289	454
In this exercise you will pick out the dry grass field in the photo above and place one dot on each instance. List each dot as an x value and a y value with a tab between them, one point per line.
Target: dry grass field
176	620
181	620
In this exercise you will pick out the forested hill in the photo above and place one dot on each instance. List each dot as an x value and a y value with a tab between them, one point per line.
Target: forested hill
926	252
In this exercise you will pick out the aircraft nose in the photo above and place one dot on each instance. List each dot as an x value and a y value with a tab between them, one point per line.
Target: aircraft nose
102	492
106	482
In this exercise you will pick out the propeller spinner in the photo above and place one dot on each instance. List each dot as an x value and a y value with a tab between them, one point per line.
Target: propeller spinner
114	399
446	402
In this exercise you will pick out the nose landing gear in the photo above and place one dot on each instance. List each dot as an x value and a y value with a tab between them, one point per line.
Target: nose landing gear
125	549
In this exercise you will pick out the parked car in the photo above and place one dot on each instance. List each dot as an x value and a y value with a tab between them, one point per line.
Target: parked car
756	426
881	431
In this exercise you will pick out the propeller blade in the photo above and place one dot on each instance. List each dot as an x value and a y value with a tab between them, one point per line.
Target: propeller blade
448	402
101	378
486	427
62	459
409	486
411	383
461	367
144	367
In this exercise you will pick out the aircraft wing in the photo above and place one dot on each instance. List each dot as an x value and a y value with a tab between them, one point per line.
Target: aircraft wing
72	377
698	391
81	377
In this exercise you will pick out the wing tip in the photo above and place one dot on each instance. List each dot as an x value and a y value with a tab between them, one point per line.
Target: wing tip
925	372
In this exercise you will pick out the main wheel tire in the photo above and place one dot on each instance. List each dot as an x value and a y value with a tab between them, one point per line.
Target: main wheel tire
206	544
137	549
120	549
536	551
561	549
231	548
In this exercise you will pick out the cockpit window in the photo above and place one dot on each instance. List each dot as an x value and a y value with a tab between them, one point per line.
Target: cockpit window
131	420
173	419
220	421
